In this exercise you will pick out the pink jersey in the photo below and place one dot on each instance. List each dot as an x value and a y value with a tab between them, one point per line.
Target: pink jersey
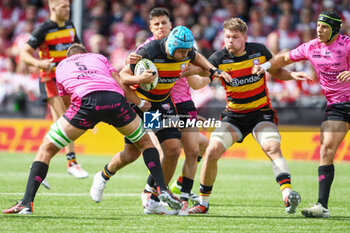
181	90
82	74
146	42
329	61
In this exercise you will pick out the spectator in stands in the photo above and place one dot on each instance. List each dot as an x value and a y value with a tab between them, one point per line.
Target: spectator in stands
285	7
141	36
306	21
29	14
256	33
99	44
209	32
99	15
184	11
268	16
127	27
120	53
9	16
241	10
19	41
283	38
117	11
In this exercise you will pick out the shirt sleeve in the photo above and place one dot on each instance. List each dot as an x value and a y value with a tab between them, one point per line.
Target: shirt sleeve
213	59
266	52
299	53
37	37
76	37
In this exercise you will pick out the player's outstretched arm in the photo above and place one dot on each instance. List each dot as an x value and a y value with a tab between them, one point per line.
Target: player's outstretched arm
285	75
274	64
209	69
197	82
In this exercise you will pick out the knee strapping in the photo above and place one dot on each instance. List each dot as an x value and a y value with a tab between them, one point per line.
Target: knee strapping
137	134
267	133
57	136
224	136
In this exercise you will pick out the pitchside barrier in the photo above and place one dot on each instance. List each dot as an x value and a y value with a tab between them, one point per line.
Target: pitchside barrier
298	142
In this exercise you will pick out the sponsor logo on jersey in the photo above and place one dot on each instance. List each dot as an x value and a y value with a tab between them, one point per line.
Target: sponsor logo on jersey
245	81
254	55
227	61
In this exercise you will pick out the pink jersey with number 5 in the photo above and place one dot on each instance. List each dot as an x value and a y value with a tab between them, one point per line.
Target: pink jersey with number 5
82	74
329	61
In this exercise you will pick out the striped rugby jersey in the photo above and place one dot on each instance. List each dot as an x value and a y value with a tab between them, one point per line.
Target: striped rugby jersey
168	70
53	42
246	92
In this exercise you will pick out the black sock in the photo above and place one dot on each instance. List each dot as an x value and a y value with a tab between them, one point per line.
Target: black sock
150	181
283	179
106	174
205	190
71	158
154	197
151	158
37	174
187	185
325	179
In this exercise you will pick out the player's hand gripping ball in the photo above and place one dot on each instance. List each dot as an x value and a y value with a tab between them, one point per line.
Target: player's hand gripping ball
141	66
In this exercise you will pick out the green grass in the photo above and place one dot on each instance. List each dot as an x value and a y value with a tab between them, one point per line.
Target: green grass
245	198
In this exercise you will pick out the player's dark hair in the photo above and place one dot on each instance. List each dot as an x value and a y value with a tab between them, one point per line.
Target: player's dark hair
76	49
158	11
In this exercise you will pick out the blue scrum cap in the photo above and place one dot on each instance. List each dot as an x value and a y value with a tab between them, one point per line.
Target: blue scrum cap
179	38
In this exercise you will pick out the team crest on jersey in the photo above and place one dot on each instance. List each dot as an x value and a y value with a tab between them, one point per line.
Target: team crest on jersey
166	106
256	61
71	32
183	66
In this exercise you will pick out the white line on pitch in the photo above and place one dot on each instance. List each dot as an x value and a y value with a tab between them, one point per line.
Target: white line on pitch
77	194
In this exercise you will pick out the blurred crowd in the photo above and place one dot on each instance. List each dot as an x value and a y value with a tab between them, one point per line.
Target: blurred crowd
116	27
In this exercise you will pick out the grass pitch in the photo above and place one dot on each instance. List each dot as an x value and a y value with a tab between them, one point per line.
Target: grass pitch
245	198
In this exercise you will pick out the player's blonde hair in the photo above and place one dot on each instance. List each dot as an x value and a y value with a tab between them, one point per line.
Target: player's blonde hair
75	49
54	2
236	24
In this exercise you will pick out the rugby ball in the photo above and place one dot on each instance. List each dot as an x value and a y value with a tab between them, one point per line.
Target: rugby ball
141	66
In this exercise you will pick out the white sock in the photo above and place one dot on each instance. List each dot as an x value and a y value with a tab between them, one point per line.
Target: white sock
184	195
148	188
286	192
279	166
204	200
